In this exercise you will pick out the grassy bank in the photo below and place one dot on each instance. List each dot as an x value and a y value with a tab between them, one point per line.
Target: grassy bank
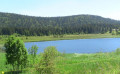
51	38
98	63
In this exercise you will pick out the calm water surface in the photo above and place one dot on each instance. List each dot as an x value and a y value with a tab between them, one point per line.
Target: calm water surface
79	45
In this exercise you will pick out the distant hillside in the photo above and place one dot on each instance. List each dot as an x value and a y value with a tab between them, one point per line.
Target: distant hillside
30	25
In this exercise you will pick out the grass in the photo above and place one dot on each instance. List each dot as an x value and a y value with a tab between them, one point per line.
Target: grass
98	63
65	37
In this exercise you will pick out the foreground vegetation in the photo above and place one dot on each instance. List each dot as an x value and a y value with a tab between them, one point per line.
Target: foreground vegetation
98	63
57	37
17	60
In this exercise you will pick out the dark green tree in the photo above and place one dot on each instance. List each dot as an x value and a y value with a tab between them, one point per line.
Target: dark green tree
16	53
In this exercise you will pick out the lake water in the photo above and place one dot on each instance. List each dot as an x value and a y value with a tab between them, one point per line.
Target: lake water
79	45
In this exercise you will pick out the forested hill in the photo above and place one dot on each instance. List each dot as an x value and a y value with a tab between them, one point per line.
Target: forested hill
30	25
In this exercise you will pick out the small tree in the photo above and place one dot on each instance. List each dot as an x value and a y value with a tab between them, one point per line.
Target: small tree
47	65
113	32
16	53
33	51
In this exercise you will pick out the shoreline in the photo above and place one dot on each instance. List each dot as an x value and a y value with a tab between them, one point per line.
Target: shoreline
58	39
65	37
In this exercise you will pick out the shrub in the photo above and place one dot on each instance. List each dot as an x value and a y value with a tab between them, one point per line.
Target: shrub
16	53
47	64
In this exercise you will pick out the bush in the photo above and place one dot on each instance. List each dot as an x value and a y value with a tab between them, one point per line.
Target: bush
16	53
47	64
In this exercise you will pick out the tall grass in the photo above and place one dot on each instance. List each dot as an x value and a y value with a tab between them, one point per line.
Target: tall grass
99	63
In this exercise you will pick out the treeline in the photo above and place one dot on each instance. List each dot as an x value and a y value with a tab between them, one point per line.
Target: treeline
78	24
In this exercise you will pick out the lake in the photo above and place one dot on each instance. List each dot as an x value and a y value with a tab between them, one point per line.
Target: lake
79	45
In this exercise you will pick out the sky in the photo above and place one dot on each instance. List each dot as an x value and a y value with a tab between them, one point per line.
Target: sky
54	8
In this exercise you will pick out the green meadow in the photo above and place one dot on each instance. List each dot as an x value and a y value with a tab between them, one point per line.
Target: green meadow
97	63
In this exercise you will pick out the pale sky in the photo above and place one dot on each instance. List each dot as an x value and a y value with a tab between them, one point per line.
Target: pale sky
53	8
